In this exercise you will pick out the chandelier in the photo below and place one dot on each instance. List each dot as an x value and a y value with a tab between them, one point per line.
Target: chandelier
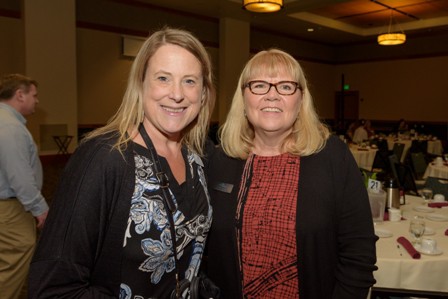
263	5
391	38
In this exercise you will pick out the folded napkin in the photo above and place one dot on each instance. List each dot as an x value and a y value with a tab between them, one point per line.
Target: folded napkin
437	204
409	248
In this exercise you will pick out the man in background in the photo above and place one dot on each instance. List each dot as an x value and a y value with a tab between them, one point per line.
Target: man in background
22	205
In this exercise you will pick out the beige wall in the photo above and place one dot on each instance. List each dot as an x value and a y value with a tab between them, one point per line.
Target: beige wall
389	89
102	75
322	79
414	89
50	58
12	53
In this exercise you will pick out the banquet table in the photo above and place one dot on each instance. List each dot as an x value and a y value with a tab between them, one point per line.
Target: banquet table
397	270
437	171
364	157
435	147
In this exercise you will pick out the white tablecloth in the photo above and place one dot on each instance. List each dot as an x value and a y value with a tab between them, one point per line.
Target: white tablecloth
396	268
435	147
436	171
364	157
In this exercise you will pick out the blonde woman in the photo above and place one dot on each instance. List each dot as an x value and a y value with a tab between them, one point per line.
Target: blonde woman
131	214
291	214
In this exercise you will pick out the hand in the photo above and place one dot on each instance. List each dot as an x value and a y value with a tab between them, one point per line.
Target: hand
41	220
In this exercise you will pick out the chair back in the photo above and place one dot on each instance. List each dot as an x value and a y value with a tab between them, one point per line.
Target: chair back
382	145
398	150
381	160
418	164
419	146
393	161
406	178
438	185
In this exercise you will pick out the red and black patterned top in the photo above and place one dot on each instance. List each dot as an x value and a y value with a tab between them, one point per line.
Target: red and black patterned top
266	221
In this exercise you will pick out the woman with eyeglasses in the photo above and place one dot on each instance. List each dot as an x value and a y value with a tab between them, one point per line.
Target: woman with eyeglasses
291	214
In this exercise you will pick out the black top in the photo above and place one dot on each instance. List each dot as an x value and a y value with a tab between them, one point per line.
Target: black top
80	251
335	236
149	269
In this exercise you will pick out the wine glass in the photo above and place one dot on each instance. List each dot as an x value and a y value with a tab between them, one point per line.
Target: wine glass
427	194
417	229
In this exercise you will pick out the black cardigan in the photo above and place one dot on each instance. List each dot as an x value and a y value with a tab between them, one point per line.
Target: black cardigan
80	246
335	236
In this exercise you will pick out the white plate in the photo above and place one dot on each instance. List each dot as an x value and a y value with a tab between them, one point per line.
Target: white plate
429	231
383	233
438	251
423	209
437	217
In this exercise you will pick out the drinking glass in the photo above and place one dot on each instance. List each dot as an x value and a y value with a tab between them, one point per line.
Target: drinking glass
427	194
417	229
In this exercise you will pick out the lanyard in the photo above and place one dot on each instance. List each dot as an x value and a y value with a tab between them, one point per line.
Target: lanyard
168	200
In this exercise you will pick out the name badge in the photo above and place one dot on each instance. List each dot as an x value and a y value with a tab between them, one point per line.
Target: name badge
223	187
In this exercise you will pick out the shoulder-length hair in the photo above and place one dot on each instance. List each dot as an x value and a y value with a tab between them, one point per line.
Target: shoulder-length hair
130	113
308	133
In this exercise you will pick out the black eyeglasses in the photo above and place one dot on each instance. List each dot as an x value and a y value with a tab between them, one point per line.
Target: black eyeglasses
285	88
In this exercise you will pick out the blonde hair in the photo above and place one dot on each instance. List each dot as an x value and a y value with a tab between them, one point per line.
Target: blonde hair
130	113
308	133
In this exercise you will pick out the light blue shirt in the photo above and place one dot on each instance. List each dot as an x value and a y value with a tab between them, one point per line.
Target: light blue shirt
20	168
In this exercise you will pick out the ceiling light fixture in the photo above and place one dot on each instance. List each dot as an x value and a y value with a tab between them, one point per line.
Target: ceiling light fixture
263	5
391	38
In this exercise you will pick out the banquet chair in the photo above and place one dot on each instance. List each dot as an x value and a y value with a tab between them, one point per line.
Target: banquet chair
419	146
406	179
404	175
382	144
419	164
393	161
381	161
438	186
398	150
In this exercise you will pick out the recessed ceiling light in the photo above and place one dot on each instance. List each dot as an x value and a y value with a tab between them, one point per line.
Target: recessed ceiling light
310	29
